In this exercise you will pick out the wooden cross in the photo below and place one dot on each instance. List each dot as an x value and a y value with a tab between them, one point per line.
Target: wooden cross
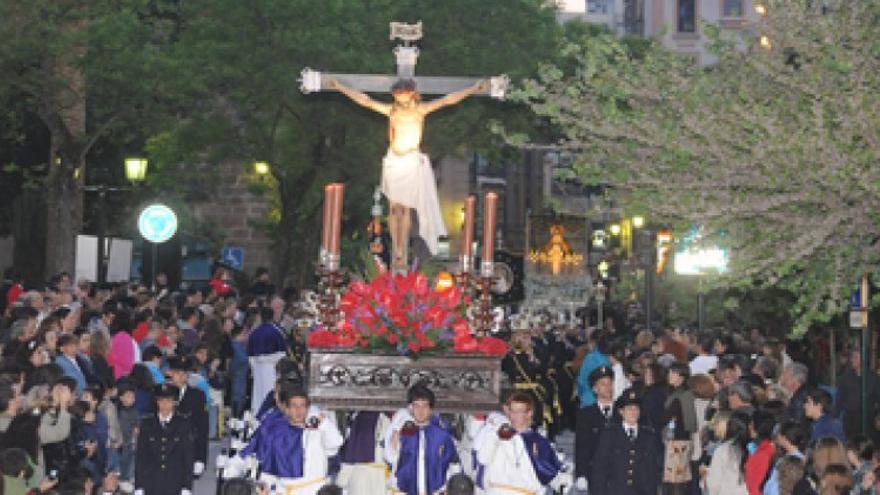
406	56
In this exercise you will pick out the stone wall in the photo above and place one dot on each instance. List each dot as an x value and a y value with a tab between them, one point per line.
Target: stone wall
234	213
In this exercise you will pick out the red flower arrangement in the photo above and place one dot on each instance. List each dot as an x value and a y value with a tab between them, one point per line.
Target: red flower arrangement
405	315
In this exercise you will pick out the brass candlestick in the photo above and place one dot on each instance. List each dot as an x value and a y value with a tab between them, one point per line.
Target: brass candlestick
330	278
484	282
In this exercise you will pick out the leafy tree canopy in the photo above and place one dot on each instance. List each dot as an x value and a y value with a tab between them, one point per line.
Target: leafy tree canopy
776	147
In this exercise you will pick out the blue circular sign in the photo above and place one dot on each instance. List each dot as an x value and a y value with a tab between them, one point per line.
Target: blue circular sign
157	223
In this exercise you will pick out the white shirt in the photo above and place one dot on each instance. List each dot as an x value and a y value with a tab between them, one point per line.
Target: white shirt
634	428
703	364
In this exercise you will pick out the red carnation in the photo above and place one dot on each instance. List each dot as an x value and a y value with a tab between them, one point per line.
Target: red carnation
492	346
465	343
414	346
322	339
391	338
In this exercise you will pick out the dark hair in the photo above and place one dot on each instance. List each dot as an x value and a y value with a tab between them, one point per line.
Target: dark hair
403	85
96	391
821	397
188	312
459	484
705	343
7	394
66	338
261	270
522	398
285	394
738	436
836	479
420	392
680	369
795	432
763	422
237	486
267	314
150	353
141	377
23	433
14	461
330	489
66	381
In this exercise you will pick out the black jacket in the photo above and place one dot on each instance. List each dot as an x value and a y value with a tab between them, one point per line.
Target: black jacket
590	425
193	407
164	456
626	467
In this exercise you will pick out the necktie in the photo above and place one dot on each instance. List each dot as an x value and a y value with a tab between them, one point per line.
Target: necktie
632	434
606	411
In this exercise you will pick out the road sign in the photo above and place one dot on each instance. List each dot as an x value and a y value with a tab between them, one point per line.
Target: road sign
855	301
157	223
857	318
233	256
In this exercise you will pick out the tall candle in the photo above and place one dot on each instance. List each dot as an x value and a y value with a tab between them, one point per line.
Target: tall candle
467	230
490	206
336	218
325	222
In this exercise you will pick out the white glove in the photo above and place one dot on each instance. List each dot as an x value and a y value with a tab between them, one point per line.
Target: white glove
139	491
198	468
185	491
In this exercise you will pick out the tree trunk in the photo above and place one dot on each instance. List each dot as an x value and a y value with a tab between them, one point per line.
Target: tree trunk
64	113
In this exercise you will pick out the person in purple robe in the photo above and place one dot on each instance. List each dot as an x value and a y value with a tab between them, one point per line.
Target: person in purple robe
419	448
266	346
293	448
518	459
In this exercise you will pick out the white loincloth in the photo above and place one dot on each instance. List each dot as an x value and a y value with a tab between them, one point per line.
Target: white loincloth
409	180
263	369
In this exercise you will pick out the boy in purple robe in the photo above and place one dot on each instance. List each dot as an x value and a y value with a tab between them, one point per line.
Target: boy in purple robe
518	459
293	449
419	447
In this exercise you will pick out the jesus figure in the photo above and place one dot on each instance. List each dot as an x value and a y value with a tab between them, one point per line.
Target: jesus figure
407	177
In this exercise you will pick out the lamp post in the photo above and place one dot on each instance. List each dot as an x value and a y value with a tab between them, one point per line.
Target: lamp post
699	262
135	171
600	300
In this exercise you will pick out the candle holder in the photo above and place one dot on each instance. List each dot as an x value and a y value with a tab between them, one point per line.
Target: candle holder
484	315
330	278
463	279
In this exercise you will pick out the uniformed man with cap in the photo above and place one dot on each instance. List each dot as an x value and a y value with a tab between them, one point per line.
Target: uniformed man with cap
592	421
191	404
164	455
631	461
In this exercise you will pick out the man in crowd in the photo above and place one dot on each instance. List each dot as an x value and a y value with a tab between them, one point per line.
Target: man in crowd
592	421
630	462
165	449
191	404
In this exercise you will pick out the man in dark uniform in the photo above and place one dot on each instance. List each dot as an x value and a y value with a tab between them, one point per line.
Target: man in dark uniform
164	456
592	421
523	368
631	461
191	404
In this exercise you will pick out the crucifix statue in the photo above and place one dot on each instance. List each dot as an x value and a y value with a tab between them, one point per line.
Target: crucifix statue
407	177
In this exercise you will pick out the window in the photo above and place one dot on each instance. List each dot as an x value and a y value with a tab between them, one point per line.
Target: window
731	8
598	6
687	16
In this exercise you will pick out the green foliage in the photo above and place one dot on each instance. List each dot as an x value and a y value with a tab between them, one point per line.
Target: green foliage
778	147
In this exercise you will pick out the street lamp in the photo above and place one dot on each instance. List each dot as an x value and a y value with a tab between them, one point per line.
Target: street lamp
135	171
699	262
615	229
638	221
261	168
